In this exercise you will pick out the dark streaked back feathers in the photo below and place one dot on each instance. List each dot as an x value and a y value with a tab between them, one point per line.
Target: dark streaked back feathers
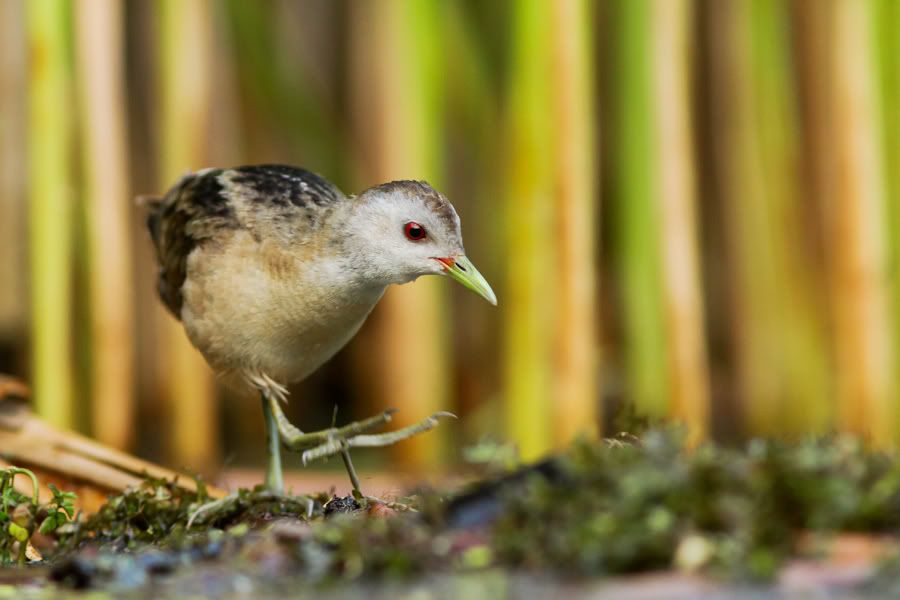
283	186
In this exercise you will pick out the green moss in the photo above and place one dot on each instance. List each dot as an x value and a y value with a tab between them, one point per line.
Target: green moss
614	506
628	508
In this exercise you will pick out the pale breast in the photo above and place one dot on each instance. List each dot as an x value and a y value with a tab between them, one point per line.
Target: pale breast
251	306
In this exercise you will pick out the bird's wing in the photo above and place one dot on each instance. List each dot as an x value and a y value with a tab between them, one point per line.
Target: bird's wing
282	187
204	203
191	212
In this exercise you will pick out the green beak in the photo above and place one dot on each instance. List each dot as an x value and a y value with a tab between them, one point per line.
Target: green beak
462	270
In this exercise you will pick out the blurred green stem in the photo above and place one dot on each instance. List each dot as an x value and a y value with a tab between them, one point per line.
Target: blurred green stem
49	157
529	296
887	26
637	211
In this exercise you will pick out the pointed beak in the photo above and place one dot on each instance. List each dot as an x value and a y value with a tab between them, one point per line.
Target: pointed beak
462	270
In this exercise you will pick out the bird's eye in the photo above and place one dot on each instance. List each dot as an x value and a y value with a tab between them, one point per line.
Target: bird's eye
414	231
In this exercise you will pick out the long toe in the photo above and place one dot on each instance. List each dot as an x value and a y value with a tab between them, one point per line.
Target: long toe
334	445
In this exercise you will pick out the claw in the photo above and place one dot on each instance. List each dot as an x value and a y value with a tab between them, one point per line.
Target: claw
268	386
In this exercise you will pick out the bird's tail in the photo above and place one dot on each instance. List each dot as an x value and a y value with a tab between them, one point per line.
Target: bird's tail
154	205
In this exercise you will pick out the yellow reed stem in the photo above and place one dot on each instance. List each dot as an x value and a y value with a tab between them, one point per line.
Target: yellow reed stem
398	89
185	71
13	92
576	401
777	318
859	263
105	158
682	295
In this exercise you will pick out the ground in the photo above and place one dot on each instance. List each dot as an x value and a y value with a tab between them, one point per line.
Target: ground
633	517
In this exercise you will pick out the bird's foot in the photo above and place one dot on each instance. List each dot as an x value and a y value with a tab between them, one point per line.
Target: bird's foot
338	440
330	442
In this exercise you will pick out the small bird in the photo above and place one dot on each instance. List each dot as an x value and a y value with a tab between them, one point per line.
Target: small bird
272	269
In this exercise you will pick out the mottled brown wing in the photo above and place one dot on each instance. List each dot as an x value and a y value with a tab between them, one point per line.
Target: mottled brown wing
204	203
191	212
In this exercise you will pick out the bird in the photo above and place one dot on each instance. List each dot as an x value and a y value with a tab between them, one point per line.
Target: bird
271	269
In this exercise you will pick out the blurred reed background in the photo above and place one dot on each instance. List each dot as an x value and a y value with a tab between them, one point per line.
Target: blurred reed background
740	157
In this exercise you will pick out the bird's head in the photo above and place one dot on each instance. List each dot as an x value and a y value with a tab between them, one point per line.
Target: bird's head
409	229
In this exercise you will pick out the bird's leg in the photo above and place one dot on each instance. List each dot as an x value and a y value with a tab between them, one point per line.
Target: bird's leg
274	486
338	440
325	443
351	472
294	439
274	478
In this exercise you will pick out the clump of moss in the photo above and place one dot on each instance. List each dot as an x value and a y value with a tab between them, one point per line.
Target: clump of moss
153	513
163	514
636	504
633	506
602	507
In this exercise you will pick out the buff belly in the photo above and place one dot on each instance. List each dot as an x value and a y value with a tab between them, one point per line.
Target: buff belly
277	322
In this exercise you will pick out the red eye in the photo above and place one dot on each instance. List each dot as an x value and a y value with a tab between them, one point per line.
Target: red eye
414	231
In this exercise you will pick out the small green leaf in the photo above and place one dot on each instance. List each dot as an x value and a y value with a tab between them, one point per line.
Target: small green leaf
239	530
18	532
477	557
48	525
